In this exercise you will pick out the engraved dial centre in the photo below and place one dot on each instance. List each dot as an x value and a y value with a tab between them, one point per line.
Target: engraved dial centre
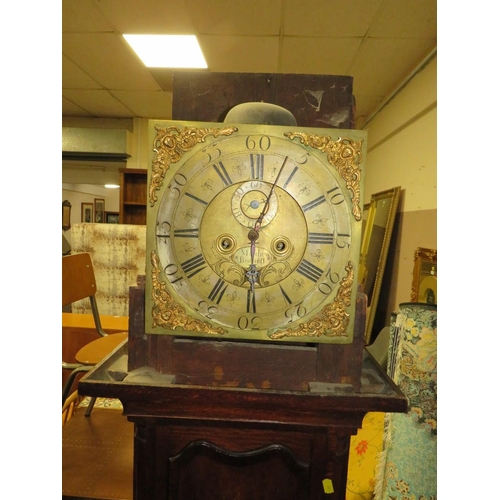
248	202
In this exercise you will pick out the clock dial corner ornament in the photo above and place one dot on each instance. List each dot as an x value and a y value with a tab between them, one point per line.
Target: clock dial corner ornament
253	232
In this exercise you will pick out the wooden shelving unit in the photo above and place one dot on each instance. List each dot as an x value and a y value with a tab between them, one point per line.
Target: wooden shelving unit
133	195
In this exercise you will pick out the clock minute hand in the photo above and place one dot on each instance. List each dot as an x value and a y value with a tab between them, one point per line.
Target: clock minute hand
268	199
252	274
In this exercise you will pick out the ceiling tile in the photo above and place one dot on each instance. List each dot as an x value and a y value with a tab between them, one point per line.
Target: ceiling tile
418	19
154	105
382	64
236	17
71	109
74	78
98	103
350	18
241	54
164	77
82	16
323	56
151	16
109	59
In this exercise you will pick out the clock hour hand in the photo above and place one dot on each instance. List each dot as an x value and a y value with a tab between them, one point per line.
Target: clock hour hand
252	274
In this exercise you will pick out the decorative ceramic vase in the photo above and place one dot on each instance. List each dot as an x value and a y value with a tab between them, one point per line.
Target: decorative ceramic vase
408	463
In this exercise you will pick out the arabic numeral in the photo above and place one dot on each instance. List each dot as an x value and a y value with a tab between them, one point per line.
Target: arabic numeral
263	143
246	323
172	272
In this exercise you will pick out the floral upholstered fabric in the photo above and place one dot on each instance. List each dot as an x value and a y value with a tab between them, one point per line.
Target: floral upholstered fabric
363	454
408	463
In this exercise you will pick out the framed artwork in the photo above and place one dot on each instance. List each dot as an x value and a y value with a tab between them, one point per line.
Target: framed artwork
99	210
112	217
378	222
424	284
87	212
66	215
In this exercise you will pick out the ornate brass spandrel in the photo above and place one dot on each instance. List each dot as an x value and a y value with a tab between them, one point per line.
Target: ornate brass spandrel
333	319
343	154
170	144
167	313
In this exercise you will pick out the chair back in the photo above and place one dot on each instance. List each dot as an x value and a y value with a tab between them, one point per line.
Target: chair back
78	282
78	279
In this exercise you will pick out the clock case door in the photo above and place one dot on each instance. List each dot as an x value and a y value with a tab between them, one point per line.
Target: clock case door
176	144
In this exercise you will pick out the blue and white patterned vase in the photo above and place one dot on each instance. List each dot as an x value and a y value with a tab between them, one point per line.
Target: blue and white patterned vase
408	463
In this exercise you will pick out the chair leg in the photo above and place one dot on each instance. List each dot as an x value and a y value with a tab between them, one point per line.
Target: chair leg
71	379
88	411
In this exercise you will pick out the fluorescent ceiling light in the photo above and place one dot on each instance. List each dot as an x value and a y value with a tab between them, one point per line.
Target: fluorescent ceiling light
111	186
167	51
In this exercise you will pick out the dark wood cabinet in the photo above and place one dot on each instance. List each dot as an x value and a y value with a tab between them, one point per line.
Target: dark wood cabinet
133	195
203	432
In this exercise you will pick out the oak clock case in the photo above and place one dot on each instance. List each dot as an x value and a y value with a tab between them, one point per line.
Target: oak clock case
253	231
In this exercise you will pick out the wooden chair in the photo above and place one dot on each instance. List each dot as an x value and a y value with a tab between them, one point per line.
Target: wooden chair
78	282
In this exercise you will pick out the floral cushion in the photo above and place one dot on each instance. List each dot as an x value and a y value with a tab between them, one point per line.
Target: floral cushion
365	448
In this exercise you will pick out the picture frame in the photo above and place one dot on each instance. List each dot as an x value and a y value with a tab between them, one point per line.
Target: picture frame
424	284
112	217
66	215
99	212
379	217
87	212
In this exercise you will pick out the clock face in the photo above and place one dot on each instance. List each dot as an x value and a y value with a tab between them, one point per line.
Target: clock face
251	235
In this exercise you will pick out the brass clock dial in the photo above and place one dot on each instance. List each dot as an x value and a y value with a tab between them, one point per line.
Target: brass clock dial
253	232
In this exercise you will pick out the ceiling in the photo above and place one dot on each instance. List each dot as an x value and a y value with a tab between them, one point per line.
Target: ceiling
380	43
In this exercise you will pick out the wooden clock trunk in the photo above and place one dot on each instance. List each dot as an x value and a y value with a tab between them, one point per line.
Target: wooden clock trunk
231	420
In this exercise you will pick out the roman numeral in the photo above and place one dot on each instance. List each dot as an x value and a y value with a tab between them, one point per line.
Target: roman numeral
321	238
222	173
195	198
251	308
290	177
285	296
187	233
257	166
194	265
310	271
313	203
218	291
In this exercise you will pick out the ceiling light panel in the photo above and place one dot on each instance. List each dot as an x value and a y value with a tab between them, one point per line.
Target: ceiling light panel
167	51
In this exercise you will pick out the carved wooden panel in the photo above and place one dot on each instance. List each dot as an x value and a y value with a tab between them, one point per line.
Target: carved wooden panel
203	470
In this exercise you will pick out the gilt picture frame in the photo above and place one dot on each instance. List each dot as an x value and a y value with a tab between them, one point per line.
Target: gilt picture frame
424	283
378	222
